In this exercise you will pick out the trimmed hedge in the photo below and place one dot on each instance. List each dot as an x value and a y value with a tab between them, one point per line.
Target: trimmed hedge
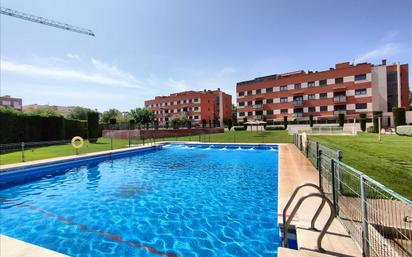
399	116
404	130
239	128
362	118
25	127
341	118
376	115
274	127
93	126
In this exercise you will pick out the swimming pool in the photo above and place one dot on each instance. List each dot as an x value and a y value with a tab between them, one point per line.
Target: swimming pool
173	200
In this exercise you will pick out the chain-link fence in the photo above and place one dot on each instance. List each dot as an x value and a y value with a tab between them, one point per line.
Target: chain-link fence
378	219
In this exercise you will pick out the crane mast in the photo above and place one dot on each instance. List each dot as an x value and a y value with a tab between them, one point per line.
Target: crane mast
44	21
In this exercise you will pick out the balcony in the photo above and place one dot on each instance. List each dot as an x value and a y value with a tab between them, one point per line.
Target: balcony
336	113
259	117
339	99
258	106
298	102
297	115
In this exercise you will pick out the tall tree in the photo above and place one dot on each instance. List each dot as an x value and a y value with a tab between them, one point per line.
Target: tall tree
142	116
234	114
79	113
110	114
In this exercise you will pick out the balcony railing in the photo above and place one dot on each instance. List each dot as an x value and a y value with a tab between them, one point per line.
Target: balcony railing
258	106
339	112
297	114
339	99
259	117
297	102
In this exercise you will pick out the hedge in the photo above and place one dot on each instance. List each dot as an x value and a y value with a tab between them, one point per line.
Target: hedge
22	127
239	128
274	127
362	118
404	130
341	118
93	126
376	115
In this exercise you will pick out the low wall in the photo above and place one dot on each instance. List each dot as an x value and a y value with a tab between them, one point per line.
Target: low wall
159	133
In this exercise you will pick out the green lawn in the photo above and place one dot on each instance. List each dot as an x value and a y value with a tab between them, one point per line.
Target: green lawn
388	161
104	144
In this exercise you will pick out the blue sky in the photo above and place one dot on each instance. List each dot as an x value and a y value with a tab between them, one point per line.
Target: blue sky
148	48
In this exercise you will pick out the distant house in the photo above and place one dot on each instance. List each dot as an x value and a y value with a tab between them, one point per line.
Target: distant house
63	110
7	100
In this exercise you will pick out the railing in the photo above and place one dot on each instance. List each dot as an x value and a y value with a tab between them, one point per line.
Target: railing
297	102
297	114
339	99
339	112
378	219
258	106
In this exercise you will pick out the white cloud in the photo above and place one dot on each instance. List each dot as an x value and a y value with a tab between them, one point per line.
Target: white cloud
384	51
177	85
117	79
226	71
73	56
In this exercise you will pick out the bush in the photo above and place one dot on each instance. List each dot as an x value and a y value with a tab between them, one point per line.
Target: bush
404	130
285	121
156	124
93	126
112	121
370	130
376	115
189	124
132	124
274	127
239	128
74	128
341	118
362	120
229	124
399	116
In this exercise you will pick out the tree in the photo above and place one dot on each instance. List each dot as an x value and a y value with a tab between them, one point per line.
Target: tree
79	113
234	114
399	116
311	121
362	120
110	114
93	126
285	121
341	118
45	112
142	116
229	124
376	116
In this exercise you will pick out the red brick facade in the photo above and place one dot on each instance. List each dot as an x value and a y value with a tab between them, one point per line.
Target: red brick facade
206	105
349	89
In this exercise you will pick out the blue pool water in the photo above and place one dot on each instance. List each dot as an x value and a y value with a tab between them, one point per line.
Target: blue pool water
180	200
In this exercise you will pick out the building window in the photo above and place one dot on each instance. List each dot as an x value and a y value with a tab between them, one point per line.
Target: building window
196	108
283	111
269	112
283	88
258	91
323	108
298	86
269	90
311	109
283	99
241	93
241	103
250	103
311	96
249	113
190	100
196	117
361	106
178	102
241	114
249	92
360	77
323	95
323	82
184	101
339	80
269	101
311	83
361	91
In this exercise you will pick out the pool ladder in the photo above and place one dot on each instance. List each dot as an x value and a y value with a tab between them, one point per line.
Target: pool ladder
320	194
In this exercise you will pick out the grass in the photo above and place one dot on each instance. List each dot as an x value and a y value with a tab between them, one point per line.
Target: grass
103	144
388	161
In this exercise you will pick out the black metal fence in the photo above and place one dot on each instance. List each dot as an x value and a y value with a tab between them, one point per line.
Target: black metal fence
378	219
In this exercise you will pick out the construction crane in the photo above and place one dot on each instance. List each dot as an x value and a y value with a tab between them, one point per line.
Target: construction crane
44	21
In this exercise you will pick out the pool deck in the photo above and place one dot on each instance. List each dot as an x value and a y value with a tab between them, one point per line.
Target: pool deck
294	169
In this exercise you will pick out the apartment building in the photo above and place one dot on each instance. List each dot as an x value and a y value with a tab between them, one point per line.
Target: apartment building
63	110
11	102
208	105
346	88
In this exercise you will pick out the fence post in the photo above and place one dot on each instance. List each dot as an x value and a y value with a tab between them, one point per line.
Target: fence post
143	140
22	151
317	155
111	143
365	230
335	197
319	166
129	138
234	136
300	143
340	156
199	137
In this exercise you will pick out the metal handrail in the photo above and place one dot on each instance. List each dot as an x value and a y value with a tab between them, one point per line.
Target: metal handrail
292	197
325	227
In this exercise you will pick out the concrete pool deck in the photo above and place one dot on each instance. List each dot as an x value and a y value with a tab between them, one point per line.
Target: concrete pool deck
294	169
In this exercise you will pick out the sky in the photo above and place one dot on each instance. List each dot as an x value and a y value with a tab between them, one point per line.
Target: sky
156	47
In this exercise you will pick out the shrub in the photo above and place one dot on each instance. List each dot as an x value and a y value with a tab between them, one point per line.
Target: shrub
341	118
229	124
189	124
399	116
362	120
274	127
93	126
167	124
156	124
285	121
239	128
370	129
132	124
74	128
404	130
112	121
376	115
203	123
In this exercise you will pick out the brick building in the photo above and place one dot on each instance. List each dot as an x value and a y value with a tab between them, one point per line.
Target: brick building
349	89
7	100
208	105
